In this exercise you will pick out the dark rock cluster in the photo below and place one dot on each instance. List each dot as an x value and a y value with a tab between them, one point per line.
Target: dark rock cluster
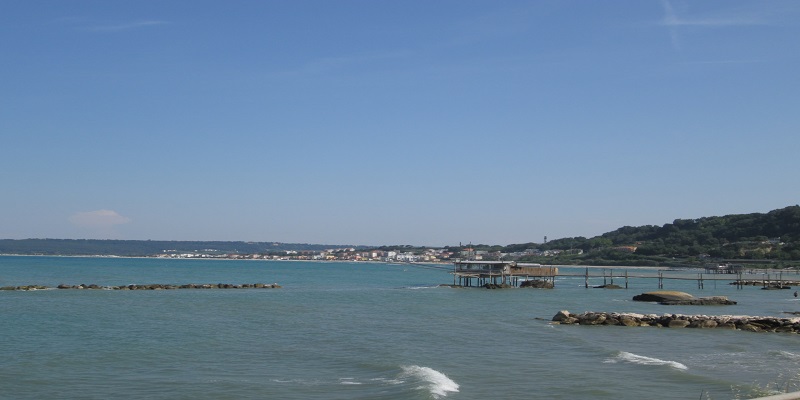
26	287
537	284
497	286
738	322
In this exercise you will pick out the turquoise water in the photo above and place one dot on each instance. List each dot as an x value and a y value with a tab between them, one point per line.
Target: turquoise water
362	331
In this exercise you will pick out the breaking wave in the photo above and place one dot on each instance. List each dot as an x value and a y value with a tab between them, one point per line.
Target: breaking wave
437	383
624	356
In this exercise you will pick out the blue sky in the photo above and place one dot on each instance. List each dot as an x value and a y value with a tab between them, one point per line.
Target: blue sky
392	122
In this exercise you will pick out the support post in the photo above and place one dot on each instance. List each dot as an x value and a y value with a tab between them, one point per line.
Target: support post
586	278
626	279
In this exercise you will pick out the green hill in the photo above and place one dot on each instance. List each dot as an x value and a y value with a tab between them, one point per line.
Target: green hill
772	237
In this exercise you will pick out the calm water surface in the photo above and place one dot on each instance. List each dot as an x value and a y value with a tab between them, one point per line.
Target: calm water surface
362	331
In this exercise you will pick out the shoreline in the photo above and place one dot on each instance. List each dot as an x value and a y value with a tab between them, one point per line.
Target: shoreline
756	271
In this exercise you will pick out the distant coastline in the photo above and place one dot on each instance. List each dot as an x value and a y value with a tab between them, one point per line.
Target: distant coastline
758	240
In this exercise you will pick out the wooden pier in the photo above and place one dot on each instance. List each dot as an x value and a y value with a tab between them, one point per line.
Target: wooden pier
476	273
740	279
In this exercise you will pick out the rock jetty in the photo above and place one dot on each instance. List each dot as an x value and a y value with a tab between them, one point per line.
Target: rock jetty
154	286
673	298
738	322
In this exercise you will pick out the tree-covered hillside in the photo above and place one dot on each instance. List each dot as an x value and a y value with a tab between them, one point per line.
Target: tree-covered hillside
771	236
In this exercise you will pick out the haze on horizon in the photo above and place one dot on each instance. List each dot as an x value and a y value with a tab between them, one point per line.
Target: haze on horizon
416	122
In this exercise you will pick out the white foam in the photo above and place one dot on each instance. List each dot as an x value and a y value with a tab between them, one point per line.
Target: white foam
642	360
388	381
789	355
303	382
437	383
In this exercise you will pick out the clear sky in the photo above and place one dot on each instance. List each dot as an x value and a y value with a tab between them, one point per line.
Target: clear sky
392	122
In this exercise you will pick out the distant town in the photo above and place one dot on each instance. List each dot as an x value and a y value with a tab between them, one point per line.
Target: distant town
429	255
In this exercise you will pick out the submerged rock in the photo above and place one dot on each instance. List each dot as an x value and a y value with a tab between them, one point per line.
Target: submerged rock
608	286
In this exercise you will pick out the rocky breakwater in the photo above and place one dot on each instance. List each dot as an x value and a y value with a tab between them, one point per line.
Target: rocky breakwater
154	286
738	322
673	298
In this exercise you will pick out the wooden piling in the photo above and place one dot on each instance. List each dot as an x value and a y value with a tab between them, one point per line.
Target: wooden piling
586	278
626	279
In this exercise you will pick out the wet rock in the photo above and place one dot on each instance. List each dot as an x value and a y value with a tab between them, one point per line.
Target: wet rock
678	323
608	286
744	323
591	318
703	324
497	286
561	315
536	284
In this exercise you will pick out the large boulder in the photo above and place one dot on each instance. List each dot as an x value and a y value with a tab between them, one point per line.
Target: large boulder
703	324
678	323
591	318
672	298
561	316
662	295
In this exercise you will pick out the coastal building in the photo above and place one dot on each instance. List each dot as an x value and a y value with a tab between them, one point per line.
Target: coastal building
724	268
480	273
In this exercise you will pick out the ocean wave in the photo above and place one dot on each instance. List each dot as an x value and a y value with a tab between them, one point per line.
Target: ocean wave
421	287
388	381
437	383
787	355
624	356
302	382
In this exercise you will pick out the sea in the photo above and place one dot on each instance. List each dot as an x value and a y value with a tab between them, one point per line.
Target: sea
340	330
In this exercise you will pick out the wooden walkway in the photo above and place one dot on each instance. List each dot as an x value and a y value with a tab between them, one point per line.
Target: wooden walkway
767	279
